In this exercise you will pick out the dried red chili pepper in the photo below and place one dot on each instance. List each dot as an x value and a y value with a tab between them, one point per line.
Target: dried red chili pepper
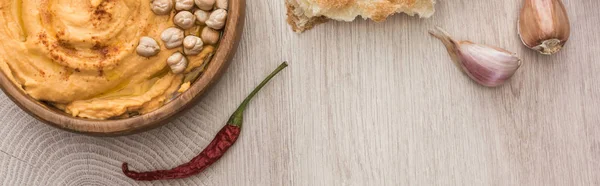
213	152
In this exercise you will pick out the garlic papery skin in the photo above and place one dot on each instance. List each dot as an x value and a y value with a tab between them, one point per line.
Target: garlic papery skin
544	25
488	66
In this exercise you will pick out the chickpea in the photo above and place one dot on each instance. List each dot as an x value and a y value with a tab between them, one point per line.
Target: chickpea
210	36
177	62
201	16
184	5
217	19
184	19
148	47
222	4
205	4
172	37
192	45
161	7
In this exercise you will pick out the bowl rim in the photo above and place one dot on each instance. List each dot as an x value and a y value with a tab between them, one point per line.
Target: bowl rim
118	127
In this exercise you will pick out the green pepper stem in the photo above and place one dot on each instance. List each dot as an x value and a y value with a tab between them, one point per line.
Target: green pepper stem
237	117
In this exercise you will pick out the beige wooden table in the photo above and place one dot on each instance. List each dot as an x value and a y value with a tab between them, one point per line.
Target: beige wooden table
361	104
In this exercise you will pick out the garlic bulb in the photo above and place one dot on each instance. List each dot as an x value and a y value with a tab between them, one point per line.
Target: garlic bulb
488	66
544	25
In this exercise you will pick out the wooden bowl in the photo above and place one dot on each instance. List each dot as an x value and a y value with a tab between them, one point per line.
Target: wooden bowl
219	63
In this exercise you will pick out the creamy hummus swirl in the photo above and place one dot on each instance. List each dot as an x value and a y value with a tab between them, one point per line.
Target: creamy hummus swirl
80	55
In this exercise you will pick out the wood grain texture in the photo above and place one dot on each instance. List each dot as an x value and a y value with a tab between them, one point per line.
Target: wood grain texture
362	103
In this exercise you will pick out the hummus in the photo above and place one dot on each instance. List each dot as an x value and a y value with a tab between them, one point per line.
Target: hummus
80	56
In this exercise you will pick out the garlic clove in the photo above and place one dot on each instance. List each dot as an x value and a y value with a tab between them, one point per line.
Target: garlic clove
544	25
488	66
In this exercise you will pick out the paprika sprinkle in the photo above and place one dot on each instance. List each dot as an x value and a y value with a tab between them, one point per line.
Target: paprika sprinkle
213	152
